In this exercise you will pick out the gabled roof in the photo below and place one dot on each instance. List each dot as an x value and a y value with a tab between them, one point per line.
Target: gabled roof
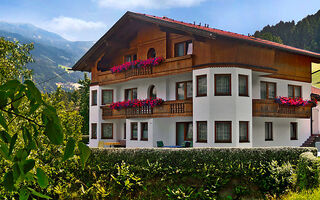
193	29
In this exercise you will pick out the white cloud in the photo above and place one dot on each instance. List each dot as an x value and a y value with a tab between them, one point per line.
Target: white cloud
154	4
73	28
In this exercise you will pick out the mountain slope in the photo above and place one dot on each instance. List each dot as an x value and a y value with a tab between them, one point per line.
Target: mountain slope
304	34
53	54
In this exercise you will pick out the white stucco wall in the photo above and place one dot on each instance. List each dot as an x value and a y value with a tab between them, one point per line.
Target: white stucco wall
281	131
213	108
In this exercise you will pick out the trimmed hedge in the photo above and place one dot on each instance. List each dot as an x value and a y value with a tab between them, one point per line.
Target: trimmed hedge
187	156
186	173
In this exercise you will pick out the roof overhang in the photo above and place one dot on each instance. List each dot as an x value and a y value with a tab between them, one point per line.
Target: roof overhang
196	31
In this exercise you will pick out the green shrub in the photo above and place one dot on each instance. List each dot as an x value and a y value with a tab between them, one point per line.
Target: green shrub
308	171
194	173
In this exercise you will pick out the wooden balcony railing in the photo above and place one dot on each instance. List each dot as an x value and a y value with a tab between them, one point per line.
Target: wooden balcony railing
168	67
175	108
268	108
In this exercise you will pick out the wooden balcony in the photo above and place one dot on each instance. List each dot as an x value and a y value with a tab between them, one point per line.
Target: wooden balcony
268	108
168	67
177	108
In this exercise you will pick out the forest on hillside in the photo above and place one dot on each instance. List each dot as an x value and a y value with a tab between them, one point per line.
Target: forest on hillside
304	34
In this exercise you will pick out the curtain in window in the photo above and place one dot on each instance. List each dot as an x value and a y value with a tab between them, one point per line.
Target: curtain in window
107	130
202	85
297	91
189	135
180	49
243	130
134	129
202	131
189	48
180	91
223	131
268	130
189	89
128	58
290	91
263	90
271	90
94	97
107	97
134	94
144	130
94	131
223	84
243	87
293	130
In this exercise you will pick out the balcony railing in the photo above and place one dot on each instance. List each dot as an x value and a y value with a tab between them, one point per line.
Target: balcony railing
268	108
168	67
167	109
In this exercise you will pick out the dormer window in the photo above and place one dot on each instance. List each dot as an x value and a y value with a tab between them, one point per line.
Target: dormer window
151	53
183	48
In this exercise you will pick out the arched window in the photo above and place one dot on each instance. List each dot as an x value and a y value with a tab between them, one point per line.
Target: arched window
151	53
152	92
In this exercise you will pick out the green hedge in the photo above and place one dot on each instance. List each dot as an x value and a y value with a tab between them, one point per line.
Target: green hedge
190	173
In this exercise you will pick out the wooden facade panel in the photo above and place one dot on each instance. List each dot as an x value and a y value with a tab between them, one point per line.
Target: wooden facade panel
176	108
269	108
219	50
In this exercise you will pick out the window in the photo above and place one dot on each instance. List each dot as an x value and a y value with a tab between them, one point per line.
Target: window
106	131
201	85
124	131
151	53
223	131
94	131
202	131
185	128
294	91
222	84
183	48
134	130
268	131
130	58
152	92
107	97
184	90
130	94
243	131
268	90
293	130
243	85
144	131
94	97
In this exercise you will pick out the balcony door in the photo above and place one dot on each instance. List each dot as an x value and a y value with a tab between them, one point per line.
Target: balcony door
184	132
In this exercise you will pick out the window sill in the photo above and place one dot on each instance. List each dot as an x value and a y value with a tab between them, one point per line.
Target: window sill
222	95
201	95
202	141
268	139
244	95
293	138
244	142
144	139
106	138
93	138
223	142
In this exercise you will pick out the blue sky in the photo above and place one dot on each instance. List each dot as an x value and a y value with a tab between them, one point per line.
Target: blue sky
90	19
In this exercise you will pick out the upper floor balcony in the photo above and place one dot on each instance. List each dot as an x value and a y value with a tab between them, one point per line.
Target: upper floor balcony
169	66
269	108
175	108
